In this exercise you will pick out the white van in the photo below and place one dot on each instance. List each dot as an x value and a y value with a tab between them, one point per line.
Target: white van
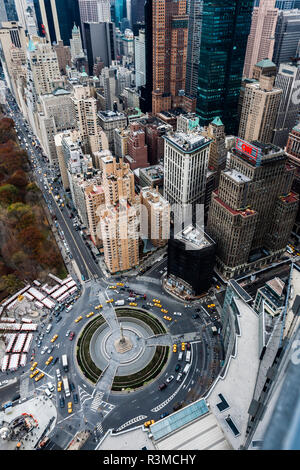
180	356
58	374
48	329
50	386
186	368
48	393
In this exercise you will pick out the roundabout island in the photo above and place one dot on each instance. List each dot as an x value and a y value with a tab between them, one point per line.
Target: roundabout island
128	343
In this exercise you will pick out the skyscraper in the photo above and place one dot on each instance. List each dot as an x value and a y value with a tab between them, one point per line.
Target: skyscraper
261	38
260	105
58	18
146	91
169	42
224	35
195	8
94	11
140	59
100	41
287	36
253	211
287	79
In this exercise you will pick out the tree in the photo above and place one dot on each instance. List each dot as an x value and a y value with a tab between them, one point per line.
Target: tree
10	283
31	237
7	130
8	194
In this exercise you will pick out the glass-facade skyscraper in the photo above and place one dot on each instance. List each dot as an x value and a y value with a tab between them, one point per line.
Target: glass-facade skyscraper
224	34
67	13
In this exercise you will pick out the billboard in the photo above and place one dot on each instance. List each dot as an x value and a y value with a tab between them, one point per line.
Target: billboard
248	149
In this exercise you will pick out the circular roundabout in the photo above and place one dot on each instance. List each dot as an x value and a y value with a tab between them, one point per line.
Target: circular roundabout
127	344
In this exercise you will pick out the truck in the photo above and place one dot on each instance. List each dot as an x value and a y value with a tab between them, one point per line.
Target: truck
188	356
120	302
186	368
66	386
64	360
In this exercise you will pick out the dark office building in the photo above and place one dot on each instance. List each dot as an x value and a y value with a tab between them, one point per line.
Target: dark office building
146	90
224	34
8	10
100	42
137	11
67	12
287	36
191	259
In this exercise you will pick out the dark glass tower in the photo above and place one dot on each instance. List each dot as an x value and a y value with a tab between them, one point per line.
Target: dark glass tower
67	14
146	90
224	34
10	9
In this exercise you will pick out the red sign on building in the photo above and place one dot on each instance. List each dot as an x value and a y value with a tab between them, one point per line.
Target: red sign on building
247	149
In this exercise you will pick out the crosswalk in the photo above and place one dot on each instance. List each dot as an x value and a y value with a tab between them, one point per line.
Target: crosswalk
99	428
97	401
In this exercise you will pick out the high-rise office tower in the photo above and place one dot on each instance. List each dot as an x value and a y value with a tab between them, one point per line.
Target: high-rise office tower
287	79
100	40
195	8
253	211
287	36
137	11
285	4
94	11
169	42
120	11
56	19
260	105
140	59
261	38
8	10
146	90
185	168
224	35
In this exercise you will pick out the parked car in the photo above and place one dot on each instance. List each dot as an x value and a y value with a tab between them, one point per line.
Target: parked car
162	386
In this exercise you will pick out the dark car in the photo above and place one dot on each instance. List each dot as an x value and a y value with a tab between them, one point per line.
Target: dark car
72	386
177	368
195	315
177	406
62	402
188	346
16	397
163	415
75	398
55	360
162	386
58	319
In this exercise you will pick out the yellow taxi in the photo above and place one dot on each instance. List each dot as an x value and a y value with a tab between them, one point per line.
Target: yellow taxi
78	319
174	348
218	287
120	284
112	287
164	310
182	346
39	377
59	384
54	338
109	301
70	407
156	300
33	366
133	304
89	314
167	318
98	306
148	423
34	373
157	305
49	360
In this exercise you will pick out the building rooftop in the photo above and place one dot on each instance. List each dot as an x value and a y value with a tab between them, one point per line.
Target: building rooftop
237	176
187	142
195	237
265	63
111	115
